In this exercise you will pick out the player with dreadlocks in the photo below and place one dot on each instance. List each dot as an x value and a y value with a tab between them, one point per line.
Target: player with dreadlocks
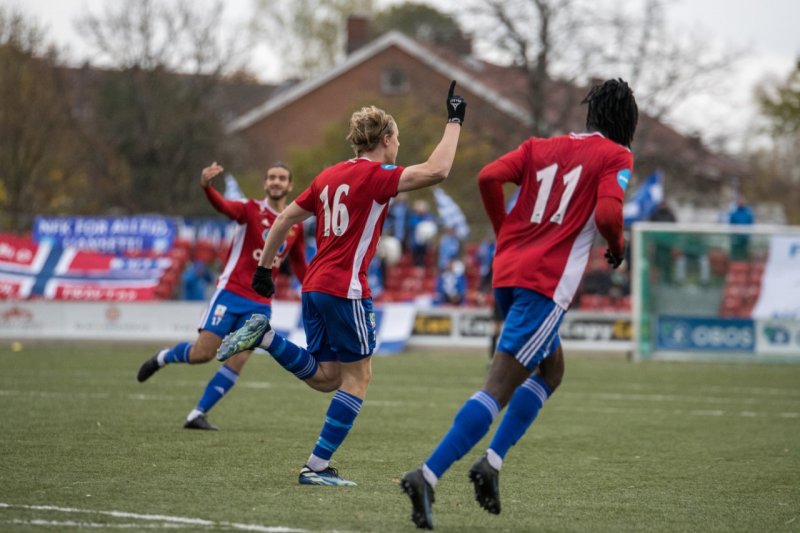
571	187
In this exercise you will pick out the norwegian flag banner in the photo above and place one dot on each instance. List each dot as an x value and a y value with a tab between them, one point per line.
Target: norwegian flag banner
48	270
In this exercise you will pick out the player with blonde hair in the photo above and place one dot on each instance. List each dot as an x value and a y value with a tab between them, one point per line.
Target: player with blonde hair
350	201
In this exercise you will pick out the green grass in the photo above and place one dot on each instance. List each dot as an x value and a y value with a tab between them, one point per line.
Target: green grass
620	447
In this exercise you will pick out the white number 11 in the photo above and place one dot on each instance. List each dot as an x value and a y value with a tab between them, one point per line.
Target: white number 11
546	176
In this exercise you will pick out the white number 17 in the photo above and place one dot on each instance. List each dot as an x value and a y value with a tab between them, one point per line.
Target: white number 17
546	176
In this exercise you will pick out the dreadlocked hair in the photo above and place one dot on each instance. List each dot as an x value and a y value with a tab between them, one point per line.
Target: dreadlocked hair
612	111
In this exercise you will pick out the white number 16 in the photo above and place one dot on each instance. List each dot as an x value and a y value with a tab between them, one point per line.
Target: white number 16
340	218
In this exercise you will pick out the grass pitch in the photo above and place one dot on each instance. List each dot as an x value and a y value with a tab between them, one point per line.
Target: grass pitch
619	447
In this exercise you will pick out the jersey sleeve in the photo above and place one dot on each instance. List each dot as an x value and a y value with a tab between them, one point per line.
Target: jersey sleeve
511	167
233	209
491	178
308	199
386	179
614	179
609	221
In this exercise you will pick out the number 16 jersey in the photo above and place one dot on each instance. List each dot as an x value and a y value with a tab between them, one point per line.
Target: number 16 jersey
349	200
545	240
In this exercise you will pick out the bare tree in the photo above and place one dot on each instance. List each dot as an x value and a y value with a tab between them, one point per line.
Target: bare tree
775	166
157	111
574	41
34	125
309	35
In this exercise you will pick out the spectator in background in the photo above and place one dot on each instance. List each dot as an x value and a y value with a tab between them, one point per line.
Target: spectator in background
449	248
451	285
397	218
375	276
740	242
195	280
485	257
421	230
662	255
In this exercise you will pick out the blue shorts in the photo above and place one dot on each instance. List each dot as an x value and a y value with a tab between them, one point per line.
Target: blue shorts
338	329
530	330
227	312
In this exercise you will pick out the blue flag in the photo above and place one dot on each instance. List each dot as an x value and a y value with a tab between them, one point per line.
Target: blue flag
645	199
232	190
450	214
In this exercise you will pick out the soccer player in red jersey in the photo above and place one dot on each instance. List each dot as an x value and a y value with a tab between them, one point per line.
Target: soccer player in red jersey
350	201
235	301
571	187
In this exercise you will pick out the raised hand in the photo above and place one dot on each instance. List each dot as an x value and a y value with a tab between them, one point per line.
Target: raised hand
209	173
456	106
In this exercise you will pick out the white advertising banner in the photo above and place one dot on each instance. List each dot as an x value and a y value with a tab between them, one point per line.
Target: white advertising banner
778	338
780	284
166	321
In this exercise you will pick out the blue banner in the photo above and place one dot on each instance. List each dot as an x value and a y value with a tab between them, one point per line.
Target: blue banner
644	200
706	334
108	234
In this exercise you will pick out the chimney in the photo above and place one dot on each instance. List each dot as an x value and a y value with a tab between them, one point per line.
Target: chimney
461	44
357	32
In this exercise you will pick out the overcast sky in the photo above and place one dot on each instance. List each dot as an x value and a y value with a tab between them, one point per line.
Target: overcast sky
766	28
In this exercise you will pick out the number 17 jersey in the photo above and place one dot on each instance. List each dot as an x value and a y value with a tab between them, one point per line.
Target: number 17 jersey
350	202
545	240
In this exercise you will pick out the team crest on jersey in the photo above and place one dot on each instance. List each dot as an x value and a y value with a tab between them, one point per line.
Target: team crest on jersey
219	313
623	177
264	236
387	166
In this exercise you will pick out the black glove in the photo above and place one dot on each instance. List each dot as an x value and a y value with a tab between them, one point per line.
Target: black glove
616	260
262	282
456	106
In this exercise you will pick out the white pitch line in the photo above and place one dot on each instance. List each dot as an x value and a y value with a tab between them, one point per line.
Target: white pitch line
47	394
96	525
158	518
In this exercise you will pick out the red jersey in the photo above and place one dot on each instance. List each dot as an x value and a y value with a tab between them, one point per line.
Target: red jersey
544	242
349	200
254	218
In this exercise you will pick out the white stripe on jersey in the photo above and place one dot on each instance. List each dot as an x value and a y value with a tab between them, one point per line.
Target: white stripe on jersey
576	264
355	291
233	258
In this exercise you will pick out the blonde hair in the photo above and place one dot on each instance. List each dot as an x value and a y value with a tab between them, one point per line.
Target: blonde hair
368	125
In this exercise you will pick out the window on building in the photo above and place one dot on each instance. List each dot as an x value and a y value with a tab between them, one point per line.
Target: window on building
394	81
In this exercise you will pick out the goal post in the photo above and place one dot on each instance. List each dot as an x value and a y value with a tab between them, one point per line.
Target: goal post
715	292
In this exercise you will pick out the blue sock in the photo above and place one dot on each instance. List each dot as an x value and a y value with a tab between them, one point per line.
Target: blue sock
293	358
522	410
338	420
470	425
222	382
178	353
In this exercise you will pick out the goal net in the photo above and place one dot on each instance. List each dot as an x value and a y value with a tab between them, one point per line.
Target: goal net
716	292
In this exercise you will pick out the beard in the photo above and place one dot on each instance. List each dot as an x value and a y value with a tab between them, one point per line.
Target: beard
277	195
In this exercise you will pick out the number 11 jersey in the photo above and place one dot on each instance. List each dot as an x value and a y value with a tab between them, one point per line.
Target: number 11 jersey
545	240
350	202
